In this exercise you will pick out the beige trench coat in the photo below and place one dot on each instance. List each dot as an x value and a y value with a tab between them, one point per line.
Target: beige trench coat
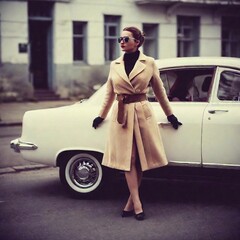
140	121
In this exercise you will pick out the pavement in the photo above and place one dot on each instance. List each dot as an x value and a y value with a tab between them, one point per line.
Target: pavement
11	115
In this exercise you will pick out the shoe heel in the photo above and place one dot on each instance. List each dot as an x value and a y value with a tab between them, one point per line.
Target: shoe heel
127	213
140	216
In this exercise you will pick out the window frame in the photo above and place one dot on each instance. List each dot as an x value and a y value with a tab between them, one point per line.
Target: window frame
154	38
192	25
111	21
230	35
83	37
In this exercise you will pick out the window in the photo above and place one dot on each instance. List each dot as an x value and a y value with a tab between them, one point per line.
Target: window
150	46
79	41
111	33
40	10
230	37
188	36
229	86
189	84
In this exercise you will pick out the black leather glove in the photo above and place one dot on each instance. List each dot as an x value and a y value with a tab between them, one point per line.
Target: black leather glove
174	121
97	121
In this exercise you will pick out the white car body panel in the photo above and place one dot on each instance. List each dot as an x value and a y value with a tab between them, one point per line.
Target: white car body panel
179	143
221	135
67	137
221	130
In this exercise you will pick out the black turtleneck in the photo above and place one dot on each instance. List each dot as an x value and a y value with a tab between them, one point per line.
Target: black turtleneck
130	60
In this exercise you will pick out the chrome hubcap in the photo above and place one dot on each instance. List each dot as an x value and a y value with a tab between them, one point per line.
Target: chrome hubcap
84	172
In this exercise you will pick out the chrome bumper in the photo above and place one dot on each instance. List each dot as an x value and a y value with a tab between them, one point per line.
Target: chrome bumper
17	145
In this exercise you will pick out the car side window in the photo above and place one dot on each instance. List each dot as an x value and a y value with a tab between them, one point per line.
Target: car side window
229	86
186	84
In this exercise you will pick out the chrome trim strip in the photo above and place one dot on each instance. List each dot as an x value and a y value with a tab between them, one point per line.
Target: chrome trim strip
221	166
18	145
205	165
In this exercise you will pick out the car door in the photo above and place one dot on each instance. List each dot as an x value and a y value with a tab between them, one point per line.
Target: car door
221	121
184	145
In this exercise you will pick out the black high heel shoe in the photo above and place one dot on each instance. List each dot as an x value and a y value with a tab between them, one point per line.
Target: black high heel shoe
127	213
140	216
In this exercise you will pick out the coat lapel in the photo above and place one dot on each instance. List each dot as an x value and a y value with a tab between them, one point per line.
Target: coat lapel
120	69
138	67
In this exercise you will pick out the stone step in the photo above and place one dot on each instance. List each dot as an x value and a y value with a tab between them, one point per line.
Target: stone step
46	95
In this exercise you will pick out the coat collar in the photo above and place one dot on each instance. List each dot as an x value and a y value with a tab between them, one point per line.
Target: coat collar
138	67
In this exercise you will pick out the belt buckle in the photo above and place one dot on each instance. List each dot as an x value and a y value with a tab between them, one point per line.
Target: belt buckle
124	98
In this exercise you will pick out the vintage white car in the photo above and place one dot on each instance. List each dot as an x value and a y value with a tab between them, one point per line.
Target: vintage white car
205	96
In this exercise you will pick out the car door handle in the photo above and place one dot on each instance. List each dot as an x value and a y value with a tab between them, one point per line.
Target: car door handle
165	124
217	111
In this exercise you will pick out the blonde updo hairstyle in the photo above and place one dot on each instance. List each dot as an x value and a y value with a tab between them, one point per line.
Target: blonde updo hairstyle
137	34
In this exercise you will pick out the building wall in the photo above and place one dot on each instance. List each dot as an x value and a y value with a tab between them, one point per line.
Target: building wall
79	78
131	14
14	30
14	80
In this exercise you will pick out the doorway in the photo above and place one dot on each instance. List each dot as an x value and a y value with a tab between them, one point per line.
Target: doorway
39	57
40	44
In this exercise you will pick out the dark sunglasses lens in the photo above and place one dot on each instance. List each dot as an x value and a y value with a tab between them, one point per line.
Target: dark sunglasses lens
124	39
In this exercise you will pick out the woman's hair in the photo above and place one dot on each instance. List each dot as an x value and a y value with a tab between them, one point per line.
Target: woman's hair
137	34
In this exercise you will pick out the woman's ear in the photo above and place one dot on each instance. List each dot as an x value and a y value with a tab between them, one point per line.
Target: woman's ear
138	42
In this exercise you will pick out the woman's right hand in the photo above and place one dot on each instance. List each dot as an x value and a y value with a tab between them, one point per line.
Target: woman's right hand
97	121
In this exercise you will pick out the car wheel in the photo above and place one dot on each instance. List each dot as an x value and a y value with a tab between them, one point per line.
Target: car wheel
82	173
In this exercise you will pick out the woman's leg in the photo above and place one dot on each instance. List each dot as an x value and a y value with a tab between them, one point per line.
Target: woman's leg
129	206
133	178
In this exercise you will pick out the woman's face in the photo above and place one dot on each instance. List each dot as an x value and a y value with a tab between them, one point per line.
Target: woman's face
128	44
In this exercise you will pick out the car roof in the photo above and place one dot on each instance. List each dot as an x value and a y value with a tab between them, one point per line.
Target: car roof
198	61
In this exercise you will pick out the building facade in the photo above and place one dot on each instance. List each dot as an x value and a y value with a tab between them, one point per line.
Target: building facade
65	46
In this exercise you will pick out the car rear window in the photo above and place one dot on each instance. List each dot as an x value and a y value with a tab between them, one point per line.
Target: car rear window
229	86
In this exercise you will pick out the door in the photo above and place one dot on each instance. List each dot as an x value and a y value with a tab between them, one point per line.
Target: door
39	58
187	88
221	122
183	146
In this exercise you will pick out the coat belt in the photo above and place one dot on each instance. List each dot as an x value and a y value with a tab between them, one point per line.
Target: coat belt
126	99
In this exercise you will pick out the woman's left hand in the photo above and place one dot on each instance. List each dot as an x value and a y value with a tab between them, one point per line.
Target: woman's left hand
97	121
174	121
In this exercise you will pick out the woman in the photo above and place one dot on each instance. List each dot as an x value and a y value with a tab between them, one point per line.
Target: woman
134	144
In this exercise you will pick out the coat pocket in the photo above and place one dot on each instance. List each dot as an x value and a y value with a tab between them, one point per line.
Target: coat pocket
147	111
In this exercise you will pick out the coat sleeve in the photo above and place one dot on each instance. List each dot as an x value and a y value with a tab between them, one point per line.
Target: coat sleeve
109	97
159	90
